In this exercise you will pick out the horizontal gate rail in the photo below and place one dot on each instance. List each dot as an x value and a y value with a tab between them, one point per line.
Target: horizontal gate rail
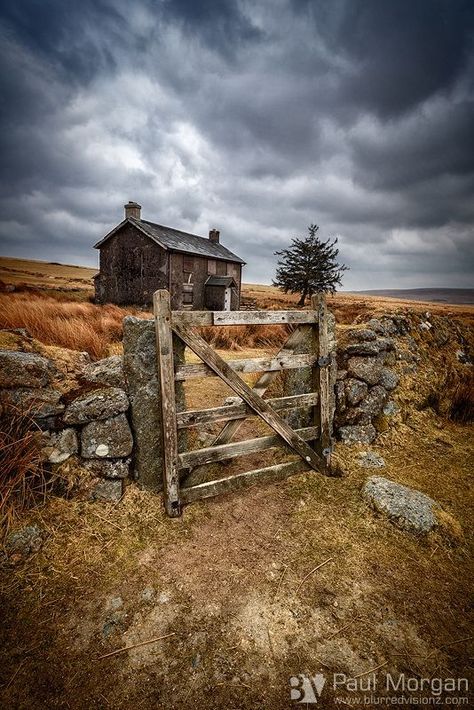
212	454
194	417
257	364
206	318
243	480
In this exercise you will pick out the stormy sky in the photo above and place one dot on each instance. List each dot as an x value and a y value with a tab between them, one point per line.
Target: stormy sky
257	118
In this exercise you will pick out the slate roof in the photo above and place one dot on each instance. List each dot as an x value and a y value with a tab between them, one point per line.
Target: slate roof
220	281
176	240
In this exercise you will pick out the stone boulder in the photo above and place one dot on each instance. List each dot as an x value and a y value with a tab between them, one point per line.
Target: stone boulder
389	379
44	402
107	438
108	371
99	404
60	445
361	334
19	369
355	390
118	469
368	369
369	459
408	508
374	402
357	433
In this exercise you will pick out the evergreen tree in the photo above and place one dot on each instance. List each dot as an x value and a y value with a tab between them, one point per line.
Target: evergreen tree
309	266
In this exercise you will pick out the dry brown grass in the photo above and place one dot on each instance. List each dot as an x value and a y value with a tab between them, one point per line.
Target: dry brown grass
245	336
68	324
22	479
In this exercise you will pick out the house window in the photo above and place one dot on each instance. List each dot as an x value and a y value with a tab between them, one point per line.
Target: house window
211	266
187	294
188	263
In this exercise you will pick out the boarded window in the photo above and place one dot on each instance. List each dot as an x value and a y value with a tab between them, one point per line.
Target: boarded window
188	263
211	266
187	294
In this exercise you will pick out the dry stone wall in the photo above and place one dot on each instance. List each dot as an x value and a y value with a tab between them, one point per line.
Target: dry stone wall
108	423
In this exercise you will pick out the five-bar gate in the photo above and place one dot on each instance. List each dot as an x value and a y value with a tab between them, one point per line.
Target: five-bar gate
312	444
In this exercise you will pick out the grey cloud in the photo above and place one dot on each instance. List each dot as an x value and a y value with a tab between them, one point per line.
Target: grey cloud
257	118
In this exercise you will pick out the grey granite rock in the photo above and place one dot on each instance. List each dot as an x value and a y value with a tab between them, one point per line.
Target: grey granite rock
363	348
61	445
361	334
108	371
19	369
389	379
355	390
107	438
118	469
373	403
408	508
368	369
369	459
357	434
99	404
38	402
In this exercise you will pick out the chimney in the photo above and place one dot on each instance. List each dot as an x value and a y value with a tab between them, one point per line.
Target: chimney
132	209
214	236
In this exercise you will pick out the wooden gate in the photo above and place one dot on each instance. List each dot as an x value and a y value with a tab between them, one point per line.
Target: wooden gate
312	444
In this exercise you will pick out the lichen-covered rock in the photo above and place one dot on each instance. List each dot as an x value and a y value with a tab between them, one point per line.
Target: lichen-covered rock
369	459
37	402
389	379
61	445
107	490
99	404
21	543
391	408
362	348
373	403
108	371
19	369
368	369
107	438
118	469
406	507
361	334
357	434
143	389
355	390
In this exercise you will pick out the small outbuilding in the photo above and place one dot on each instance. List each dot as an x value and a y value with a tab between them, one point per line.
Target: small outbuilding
138	257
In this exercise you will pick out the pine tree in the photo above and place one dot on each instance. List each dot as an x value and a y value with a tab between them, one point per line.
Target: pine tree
309	266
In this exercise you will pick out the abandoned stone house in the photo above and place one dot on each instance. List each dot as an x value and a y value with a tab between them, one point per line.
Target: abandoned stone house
138	257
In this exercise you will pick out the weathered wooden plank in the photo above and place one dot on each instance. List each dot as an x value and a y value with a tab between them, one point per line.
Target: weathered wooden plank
164	350
243	480
261	386
229	412
322	416
204	318
258	364
262	408
263	317
211	454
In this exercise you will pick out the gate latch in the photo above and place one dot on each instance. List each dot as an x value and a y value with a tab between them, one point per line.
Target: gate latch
324	361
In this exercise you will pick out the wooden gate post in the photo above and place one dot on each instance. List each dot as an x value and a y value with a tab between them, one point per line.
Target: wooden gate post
165	364
322	411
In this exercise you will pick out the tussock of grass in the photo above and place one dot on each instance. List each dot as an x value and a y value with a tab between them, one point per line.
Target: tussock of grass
67	324
245	336
22	479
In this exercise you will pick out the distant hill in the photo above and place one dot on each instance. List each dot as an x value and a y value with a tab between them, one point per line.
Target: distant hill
436	295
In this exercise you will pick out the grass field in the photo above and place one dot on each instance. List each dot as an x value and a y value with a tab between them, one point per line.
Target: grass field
256	587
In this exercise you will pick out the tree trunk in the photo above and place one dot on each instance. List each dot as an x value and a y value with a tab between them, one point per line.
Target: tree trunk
302	299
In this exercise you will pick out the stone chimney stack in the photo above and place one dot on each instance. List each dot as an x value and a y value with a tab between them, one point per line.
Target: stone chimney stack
214	235
132	209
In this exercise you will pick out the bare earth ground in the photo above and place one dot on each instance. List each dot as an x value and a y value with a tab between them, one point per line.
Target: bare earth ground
234	579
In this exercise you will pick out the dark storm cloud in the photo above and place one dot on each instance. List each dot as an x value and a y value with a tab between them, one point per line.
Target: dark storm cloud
258	118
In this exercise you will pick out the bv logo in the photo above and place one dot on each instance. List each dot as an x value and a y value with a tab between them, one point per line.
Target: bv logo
303	687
